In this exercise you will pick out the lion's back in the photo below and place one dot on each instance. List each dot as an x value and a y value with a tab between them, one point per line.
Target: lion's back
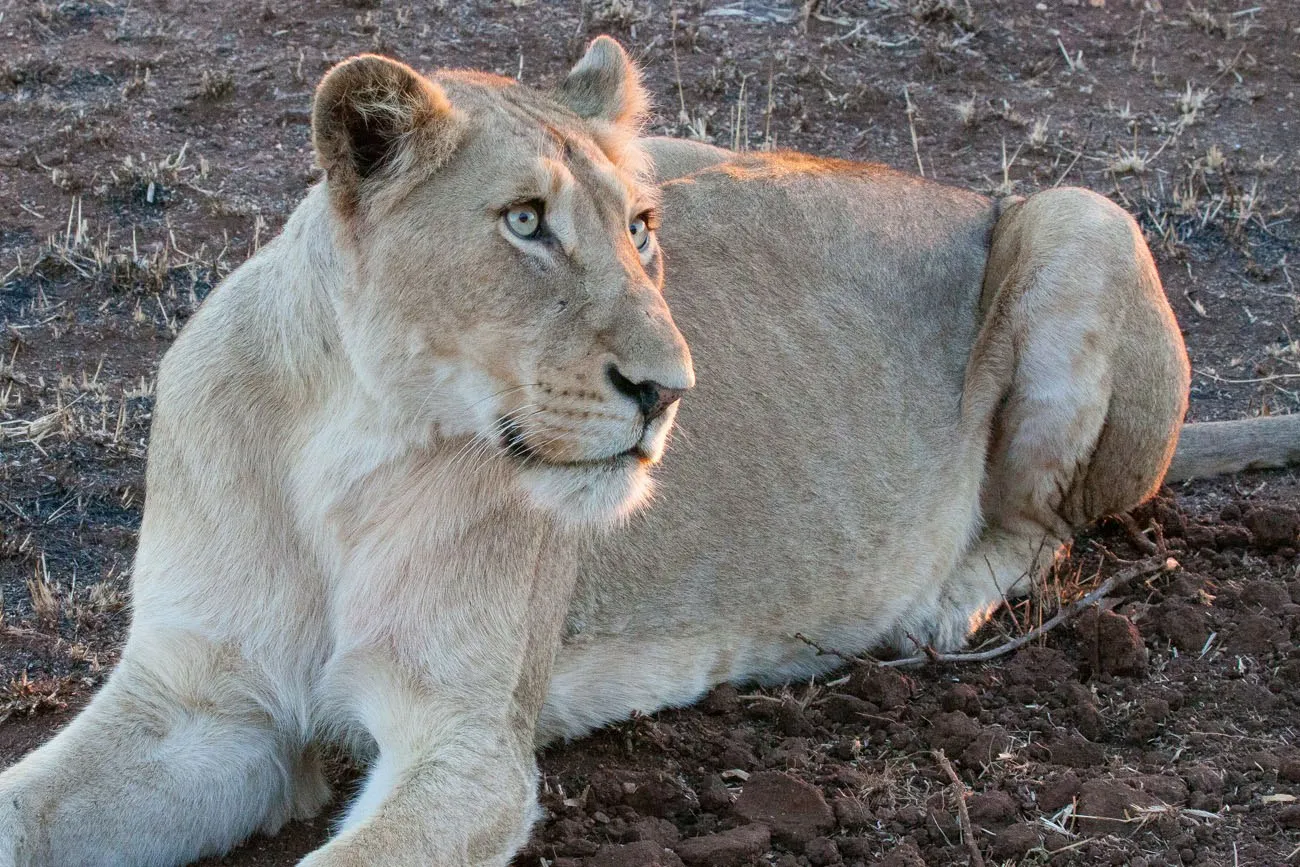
830	308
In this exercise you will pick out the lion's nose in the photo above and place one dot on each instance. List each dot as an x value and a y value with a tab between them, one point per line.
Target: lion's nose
652	397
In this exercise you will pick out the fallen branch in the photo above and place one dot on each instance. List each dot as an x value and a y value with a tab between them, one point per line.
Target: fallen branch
1119	579
963	815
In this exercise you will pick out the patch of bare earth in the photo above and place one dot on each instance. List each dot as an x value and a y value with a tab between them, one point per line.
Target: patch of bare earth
146	148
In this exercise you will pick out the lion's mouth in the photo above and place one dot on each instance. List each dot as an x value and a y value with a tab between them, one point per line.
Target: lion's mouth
515	444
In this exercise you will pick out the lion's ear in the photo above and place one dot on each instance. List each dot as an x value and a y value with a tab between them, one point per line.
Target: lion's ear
605	85
374	116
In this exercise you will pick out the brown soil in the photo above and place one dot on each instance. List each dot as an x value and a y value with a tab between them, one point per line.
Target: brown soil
147	147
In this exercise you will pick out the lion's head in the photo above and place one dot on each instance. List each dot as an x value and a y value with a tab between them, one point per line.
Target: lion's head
506	277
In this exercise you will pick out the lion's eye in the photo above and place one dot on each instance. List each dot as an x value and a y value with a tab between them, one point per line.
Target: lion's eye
525	220
640	230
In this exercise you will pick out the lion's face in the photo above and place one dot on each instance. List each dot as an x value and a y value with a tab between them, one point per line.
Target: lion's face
507	276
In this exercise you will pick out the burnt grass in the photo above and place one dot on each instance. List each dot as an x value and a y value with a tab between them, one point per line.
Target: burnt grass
146	148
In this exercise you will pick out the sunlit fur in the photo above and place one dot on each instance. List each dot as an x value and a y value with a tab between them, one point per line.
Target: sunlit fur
521	331
909	398
370	448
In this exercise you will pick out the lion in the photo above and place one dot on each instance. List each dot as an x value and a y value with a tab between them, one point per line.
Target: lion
410	485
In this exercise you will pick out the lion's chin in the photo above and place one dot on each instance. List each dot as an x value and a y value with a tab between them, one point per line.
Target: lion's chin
599	494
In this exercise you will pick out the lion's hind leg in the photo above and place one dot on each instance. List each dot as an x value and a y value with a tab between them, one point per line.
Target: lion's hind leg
1081	370
172	760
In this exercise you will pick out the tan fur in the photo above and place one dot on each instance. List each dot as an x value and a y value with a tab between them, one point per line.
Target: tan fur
909	398
340	543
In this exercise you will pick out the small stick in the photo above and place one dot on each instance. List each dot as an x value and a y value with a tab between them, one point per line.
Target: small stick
911	125
825	651
1139	569
963	815
1087	136
683	116
1136	536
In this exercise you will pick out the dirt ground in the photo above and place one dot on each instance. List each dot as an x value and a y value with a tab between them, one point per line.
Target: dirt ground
147	147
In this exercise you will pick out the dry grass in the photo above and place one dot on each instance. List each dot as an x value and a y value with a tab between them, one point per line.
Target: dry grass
967	111
216	85
45	604
26	697
123	265
617	14
957	12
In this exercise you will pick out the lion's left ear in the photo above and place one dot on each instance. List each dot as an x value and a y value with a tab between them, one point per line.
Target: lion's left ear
605	85
377	123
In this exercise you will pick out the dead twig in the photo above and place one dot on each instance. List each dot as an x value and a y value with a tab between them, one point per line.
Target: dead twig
1119	579
929	654
1137	537
963	815
826	651
911	125
1087	137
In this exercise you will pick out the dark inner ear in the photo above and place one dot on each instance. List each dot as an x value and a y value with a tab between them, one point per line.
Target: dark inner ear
386	107
369	110
371	142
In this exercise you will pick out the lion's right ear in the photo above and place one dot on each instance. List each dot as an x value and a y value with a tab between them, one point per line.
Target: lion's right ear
376	118
605	85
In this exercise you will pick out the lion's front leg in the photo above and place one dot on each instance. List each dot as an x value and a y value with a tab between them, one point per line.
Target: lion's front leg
454	782
444	647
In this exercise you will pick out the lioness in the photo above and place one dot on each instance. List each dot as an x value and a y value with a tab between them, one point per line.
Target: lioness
388	452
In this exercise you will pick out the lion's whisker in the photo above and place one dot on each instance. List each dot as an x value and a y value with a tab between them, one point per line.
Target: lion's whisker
481	445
